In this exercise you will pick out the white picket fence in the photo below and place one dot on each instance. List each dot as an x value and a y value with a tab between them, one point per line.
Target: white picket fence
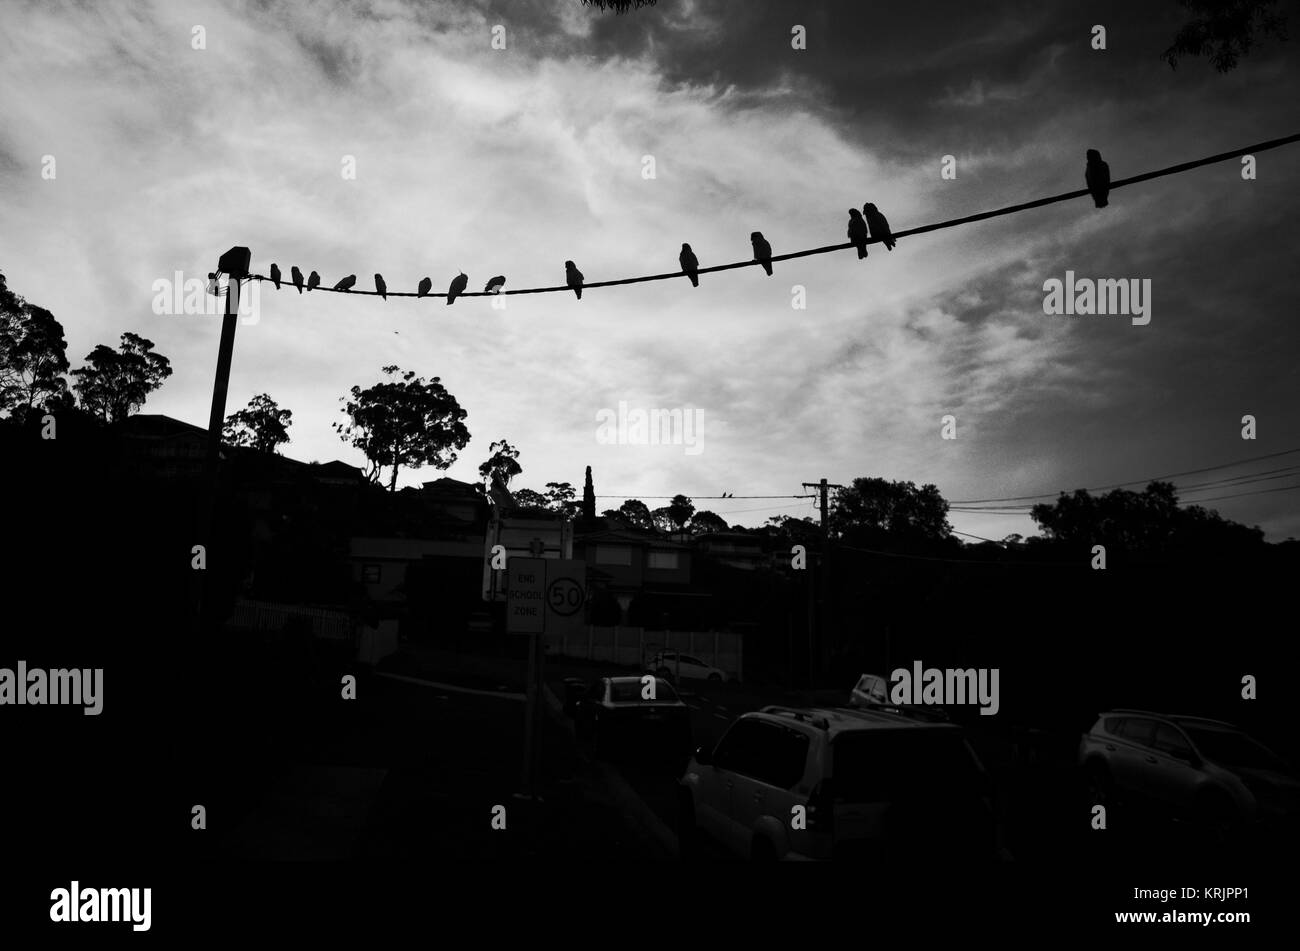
633	646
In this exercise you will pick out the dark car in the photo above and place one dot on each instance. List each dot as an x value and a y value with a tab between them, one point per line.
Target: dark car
875	786
633	714
1197	769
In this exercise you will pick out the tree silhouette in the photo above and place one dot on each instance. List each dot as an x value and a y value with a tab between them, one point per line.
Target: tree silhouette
790	530
872	506
115	383
531	504
636	513
404	421
588	497
680	510
706	521
1150	520
261	425
33	355
561	498
661	519
1224	30
501	466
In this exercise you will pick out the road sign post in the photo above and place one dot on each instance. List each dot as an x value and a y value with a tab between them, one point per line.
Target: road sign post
543	596
526	614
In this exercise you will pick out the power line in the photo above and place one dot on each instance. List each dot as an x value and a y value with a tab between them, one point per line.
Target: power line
1246	479
1283	488
967	507
1119	485
1215	498
765	508
923	229
631	498
1018	512
980	537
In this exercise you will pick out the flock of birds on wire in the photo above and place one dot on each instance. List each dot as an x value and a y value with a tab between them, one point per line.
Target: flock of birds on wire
866	225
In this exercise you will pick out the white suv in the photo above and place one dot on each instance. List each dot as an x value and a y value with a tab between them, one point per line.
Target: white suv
823	783
671	666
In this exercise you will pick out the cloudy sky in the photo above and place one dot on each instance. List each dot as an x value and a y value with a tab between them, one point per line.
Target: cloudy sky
512	161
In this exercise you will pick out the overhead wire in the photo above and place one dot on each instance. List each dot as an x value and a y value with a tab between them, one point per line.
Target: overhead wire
827	249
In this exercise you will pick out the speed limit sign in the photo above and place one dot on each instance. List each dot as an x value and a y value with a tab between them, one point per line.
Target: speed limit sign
566	595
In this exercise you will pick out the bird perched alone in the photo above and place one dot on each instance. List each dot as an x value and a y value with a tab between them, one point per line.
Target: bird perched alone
858	232
297	277
313	281
426	285
573	277
381	286
275	275
690	264
494	286
458	285
1097	176
879	226
346	284
762	251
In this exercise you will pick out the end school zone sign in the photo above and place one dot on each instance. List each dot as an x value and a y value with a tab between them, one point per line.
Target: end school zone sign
544	594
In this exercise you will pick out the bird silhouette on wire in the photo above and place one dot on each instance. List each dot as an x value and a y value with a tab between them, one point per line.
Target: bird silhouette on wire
1097	177
573	277
426	285
690	264
879	226
381	286
313	281
347	283
858	232
458	285
762	251
297	277
494	286
275	275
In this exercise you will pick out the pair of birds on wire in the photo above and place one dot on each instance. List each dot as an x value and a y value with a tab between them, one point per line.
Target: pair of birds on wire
869	224
458	285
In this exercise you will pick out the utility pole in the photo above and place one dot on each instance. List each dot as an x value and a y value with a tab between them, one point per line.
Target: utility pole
823	488
234	264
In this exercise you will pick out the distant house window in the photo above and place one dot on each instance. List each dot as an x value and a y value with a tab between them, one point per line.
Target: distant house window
663	559
370	574
613	555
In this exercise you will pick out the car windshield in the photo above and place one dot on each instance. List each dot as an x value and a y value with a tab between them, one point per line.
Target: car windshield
889	765
1233	748
630	691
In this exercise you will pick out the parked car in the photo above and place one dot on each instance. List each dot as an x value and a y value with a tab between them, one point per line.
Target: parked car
669	664
871	692
616	714
838	783
1203	771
